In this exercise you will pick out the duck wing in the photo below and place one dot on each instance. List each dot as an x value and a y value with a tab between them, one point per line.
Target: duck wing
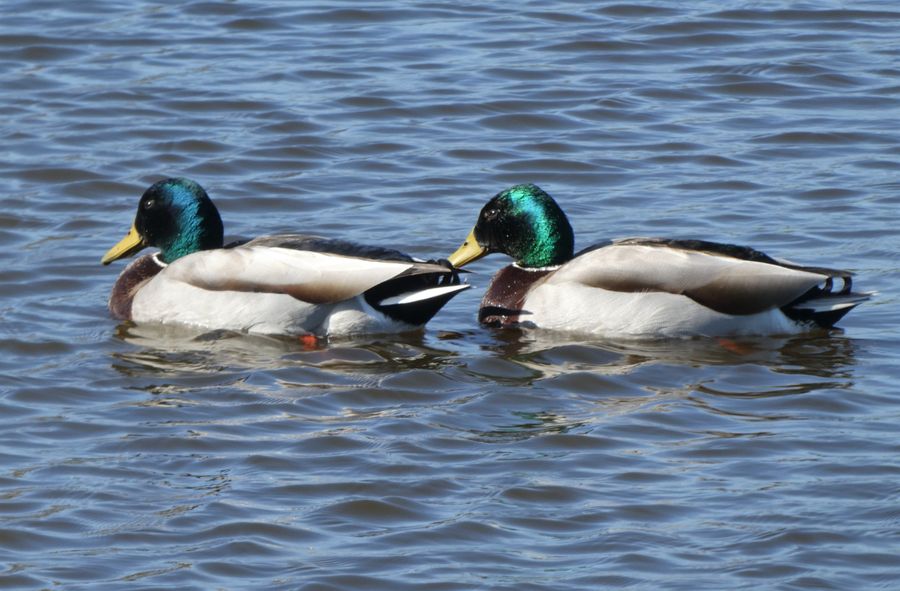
726	278
308	275
329	245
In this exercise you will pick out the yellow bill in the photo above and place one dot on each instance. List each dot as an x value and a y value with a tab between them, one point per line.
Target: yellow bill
468	252
126	247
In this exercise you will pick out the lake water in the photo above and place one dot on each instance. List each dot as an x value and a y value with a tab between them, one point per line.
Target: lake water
457	458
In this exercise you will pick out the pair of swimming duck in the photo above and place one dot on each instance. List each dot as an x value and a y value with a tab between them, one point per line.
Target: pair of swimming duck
307	285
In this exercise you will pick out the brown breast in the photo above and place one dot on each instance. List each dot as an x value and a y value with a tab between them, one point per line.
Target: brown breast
135	275
502	301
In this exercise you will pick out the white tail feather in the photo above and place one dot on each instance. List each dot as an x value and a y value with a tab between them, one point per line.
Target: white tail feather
834	302
424	294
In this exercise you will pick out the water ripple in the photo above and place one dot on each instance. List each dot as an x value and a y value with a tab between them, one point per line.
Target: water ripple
458	457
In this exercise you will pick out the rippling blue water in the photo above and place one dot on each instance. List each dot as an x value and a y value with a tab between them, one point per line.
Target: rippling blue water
458	458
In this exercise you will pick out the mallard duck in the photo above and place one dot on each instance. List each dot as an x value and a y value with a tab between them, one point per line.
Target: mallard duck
641	287
285	284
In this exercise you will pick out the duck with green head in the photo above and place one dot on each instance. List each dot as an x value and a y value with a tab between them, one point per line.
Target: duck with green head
283	284
640	287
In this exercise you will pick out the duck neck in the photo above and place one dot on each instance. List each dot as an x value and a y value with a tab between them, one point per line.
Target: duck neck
550	243
199	228
530	227
186	242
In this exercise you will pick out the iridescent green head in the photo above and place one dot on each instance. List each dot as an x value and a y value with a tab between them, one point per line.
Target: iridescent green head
176	216
523	222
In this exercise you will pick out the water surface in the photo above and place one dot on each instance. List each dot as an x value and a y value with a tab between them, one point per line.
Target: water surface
458	457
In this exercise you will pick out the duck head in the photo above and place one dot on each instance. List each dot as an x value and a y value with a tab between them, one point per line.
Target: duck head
176	216
523	222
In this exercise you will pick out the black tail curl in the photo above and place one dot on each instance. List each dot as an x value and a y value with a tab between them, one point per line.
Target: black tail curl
824	306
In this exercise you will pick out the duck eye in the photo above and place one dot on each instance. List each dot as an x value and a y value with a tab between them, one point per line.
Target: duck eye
149	203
